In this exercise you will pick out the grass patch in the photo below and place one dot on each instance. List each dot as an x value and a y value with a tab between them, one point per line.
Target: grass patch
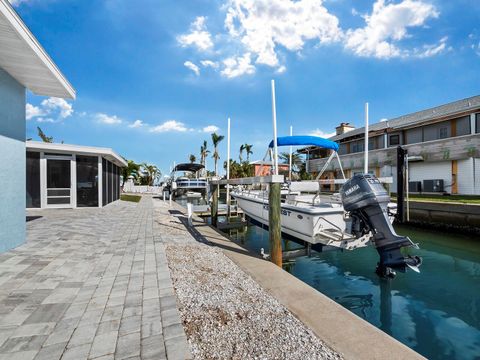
132	198
464	199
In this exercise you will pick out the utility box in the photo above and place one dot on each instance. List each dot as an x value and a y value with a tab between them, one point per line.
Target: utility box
435	185
415	186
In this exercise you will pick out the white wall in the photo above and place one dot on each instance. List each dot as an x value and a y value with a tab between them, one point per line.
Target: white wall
477	176
419	171
465	178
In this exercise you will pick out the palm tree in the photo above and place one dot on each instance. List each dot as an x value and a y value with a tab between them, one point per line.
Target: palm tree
45	138
153	173
192	158
132	169
216	140
296	160
242	147
248	149
204	152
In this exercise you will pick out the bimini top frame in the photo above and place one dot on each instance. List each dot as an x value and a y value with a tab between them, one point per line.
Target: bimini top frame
309	140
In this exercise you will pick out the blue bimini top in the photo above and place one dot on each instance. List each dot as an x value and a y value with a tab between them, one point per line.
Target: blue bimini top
297	140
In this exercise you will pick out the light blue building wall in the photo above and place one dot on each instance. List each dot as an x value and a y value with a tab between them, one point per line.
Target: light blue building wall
12	159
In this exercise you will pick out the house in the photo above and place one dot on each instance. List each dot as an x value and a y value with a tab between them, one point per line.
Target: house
443	146
70	176
24	64
264	168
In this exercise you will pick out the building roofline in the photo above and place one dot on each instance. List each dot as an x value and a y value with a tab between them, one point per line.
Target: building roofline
63	88
417	118
77	149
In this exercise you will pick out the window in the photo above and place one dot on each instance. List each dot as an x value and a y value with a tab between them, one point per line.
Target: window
104	182
33	180
87	181
443	133
462	126
394	140
477	123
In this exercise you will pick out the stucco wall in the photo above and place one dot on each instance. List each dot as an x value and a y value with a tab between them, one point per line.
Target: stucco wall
12	158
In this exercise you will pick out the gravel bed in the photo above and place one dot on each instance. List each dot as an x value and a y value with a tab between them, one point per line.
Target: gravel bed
227	315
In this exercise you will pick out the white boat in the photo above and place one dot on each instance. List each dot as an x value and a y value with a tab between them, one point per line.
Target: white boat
361	214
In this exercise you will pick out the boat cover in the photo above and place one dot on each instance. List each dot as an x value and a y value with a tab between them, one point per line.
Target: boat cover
188	167
308	140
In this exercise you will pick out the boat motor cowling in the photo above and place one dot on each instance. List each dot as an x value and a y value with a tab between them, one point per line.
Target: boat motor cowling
366	201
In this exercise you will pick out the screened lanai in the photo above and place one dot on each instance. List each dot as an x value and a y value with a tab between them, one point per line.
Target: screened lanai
71	176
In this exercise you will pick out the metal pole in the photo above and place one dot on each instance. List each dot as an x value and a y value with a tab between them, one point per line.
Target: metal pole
366	139
214	206
274	120
401	153
406	188
228	169
274	224
290	160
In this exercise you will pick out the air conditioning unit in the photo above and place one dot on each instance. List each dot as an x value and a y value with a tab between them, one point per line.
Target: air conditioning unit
415	186
435	185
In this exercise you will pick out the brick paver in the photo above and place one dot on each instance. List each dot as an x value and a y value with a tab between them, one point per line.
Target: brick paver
90	284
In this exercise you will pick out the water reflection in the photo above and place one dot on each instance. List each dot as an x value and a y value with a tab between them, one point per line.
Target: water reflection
437	312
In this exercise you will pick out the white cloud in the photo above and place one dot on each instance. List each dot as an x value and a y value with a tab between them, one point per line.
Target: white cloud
45	120
107	119
387	24
262	25
321	133
56	108
238	66
432	50
198	36
263	31
209	63
192	66
54	104
136	124
210	129
170	125
33	111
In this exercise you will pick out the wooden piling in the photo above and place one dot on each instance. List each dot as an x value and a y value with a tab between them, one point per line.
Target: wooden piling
214	206
274	221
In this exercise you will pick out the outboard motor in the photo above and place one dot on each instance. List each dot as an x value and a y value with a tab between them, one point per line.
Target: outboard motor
365	198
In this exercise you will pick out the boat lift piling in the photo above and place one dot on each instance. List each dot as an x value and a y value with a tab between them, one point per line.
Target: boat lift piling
274	208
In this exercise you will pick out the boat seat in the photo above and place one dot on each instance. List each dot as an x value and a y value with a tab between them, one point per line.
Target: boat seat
304	186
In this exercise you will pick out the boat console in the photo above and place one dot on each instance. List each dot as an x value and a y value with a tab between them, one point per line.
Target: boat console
366	201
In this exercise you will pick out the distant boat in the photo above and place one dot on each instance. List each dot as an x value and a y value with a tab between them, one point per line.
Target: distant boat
192	186
360	215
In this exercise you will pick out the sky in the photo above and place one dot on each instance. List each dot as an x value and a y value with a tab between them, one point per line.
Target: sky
154	78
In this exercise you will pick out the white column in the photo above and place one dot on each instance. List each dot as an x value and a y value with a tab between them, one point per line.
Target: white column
73	181
274	120
100	182
228	167
472	124
365	170
43	180
290	159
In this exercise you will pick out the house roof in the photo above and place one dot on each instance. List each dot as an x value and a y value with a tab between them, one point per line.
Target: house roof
107	153
450	109
25	60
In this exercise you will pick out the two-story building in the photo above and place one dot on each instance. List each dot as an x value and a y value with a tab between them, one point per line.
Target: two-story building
443	146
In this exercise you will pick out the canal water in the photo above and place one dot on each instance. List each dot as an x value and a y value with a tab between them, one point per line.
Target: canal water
436	312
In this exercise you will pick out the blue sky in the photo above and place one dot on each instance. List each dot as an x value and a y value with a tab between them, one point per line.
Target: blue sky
153	79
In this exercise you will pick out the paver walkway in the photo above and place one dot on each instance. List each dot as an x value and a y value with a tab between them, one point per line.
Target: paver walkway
90	284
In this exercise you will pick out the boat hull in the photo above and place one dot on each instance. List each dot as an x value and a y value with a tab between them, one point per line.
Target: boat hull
314	225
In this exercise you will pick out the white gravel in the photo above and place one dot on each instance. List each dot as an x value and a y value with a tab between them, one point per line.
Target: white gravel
226	314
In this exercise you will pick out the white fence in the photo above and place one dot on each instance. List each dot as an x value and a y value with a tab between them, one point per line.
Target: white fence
142	189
